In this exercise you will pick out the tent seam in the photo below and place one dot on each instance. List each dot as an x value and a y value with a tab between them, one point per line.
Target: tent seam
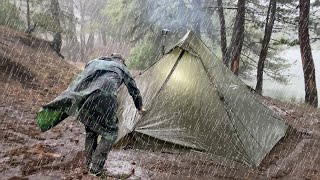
157	61
167	78
227	109
171	72
255	99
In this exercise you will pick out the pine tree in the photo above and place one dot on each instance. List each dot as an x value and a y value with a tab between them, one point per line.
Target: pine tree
311	95
237	42
222	32
57	38
265	43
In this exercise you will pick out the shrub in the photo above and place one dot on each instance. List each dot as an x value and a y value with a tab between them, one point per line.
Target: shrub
9	15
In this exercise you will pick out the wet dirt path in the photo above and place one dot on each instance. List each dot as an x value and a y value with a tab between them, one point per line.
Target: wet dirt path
58	154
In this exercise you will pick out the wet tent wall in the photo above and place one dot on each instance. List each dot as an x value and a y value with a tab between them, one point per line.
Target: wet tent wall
194	101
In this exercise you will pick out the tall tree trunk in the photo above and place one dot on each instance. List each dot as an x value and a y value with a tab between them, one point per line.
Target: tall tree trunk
311	95
72	41
29	29
89	45
232	42
222	32
265	43
71	23
82	32
28	15
82	43
57	38
239	34
229	49
103	35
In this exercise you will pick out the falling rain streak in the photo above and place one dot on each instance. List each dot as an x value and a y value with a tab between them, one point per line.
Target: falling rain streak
216	89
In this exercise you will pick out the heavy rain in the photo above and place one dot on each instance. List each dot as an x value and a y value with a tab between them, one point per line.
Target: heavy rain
167	89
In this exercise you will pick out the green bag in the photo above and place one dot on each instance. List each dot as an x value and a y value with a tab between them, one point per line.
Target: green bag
47	118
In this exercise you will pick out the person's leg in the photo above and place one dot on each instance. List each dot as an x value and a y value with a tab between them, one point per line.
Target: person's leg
101	153
104	113
90	145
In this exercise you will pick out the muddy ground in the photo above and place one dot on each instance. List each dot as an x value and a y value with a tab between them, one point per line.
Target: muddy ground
26	153
58	154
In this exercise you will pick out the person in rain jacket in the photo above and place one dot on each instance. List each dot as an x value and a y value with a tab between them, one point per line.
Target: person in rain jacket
92	98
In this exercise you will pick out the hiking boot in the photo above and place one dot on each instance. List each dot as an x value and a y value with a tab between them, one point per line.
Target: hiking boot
99	174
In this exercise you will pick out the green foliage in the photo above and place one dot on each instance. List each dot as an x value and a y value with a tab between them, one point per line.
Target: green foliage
294	42
46	22
276	69
122	14
94	15
284	41
9	15
130	22
246	68
116	10
142	56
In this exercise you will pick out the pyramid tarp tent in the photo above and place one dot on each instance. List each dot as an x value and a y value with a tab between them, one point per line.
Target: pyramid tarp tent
194	102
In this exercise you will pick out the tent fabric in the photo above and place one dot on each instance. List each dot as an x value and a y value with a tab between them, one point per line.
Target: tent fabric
195	102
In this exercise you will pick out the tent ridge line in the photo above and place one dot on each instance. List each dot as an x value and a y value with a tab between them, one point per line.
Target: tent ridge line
219	93
180	45
171	49
272	113
171	72
169	75
155	63
166	80
227	109
253	97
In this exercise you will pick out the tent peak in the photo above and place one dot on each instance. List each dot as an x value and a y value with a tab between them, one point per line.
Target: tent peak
184	43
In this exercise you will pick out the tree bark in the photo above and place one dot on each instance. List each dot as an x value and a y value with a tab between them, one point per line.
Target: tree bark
238	40
103	35
29	29
57	38
28	16
72	41
232	42
89	45
222	32
82	32
265	44
311	95
72	24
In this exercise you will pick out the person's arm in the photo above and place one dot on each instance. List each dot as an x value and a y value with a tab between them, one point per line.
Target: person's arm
133	91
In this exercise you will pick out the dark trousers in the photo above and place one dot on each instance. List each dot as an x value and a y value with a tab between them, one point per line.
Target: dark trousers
97	153
98	114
